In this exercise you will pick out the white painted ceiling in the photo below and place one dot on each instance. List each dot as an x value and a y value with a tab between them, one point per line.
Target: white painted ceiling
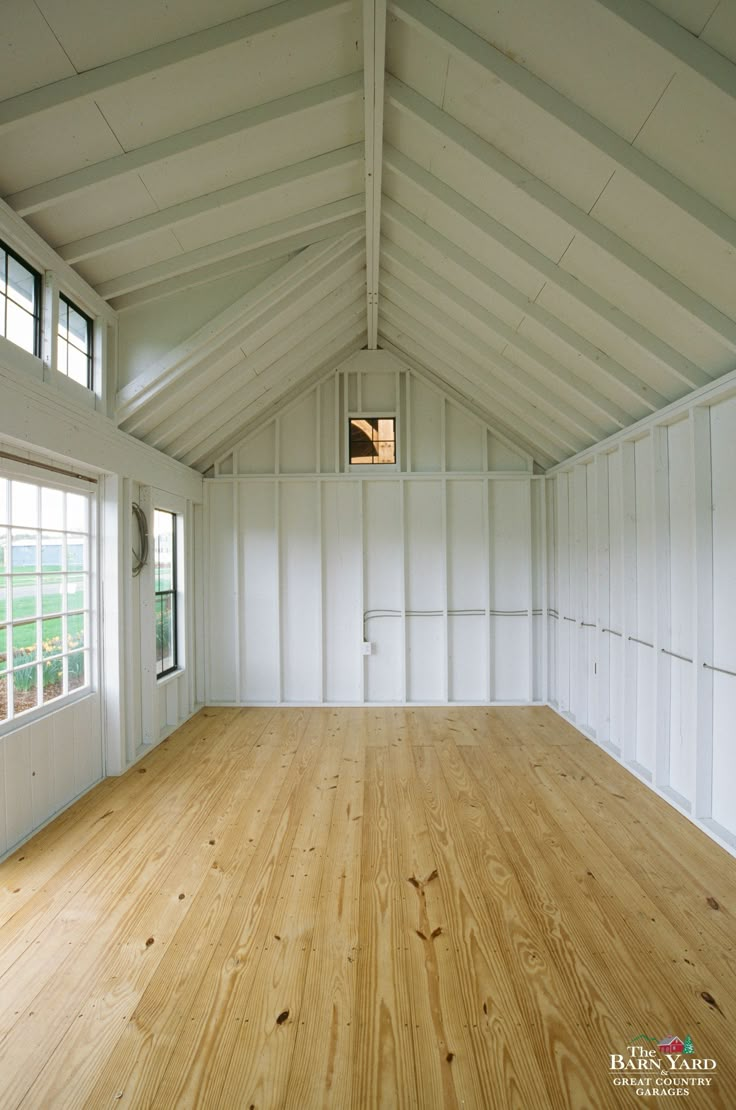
534	201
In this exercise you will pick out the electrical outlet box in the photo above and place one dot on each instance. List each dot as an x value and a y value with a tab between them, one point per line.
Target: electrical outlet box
366	647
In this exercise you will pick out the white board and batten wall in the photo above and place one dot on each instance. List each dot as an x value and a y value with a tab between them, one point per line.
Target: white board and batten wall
642	598
435	564
52	755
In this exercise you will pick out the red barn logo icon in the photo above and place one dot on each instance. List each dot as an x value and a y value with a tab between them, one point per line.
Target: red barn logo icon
671	1045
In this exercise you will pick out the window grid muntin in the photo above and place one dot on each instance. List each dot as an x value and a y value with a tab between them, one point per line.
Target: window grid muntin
31	670
170	593
354	419
64	341
7	253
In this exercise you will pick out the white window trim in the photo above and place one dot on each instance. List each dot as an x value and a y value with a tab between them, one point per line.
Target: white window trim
375	468
170	503
12	469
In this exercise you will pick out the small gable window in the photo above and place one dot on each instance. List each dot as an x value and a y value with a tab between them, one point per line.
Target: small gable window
372	440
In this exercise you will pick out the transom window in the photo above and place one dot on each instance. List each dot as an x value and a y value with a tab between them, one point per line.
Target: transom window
372	440
44	595
20	301
165	586
74	347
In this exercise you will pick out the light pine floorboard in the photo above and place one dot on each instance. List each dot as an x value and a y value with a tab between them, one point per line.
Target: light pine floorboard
348	908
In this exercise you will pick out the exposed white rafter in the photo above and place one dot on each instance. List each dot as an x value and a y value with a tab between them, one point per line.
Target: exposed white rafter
126	233
49	193
293	363
37	251
462	42
487	227
462	313
194	407
529	428
453	343
721	327
284	376
265	22
233	325
247	248
603	363
466	393
374	63
687	49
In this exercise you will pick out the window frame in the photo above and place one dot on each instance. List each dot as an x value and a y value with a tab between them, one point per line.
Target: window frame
89	354
37	314
18	472
372	468
173	592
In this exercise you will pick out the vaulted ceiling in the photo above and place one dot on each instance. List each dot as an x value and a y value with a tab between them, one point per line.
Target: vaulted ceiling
534	201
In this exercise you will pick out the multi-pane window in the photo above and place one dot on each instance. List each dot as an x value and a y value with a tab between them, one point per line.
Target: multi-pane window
74	348
44	594
20	301
372	440
165	586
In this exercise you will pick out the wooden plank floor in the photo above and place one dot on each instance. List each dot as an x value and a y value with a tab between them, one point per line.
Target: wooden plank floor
357	908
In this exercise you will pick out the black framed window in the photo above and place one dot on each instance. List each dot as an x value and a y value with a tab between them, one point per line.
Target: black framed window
372	440
20	301
74	343
165	586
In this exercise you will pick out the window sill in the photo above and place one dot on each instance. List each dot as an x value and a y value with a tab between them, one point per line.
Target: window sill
74	391
31	716
165	679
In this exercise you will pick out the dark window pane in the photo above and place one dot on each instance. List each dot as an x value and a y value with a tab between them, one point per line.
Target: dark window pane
19	301
74	347
372	440
165	586
164	633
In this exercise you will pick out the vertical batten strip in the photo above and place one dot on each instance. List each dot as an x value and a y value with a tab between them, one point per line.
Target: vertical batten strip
189	617
239	653
562	540
50	322
530	589
279	585
603	601
703	611
408	388
574	558
318	429
445	598
541	554
404	655
125	562
105	397
207	632
662	587
487	622
364	658
321	630
339	392
149	689
630	677
489	587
